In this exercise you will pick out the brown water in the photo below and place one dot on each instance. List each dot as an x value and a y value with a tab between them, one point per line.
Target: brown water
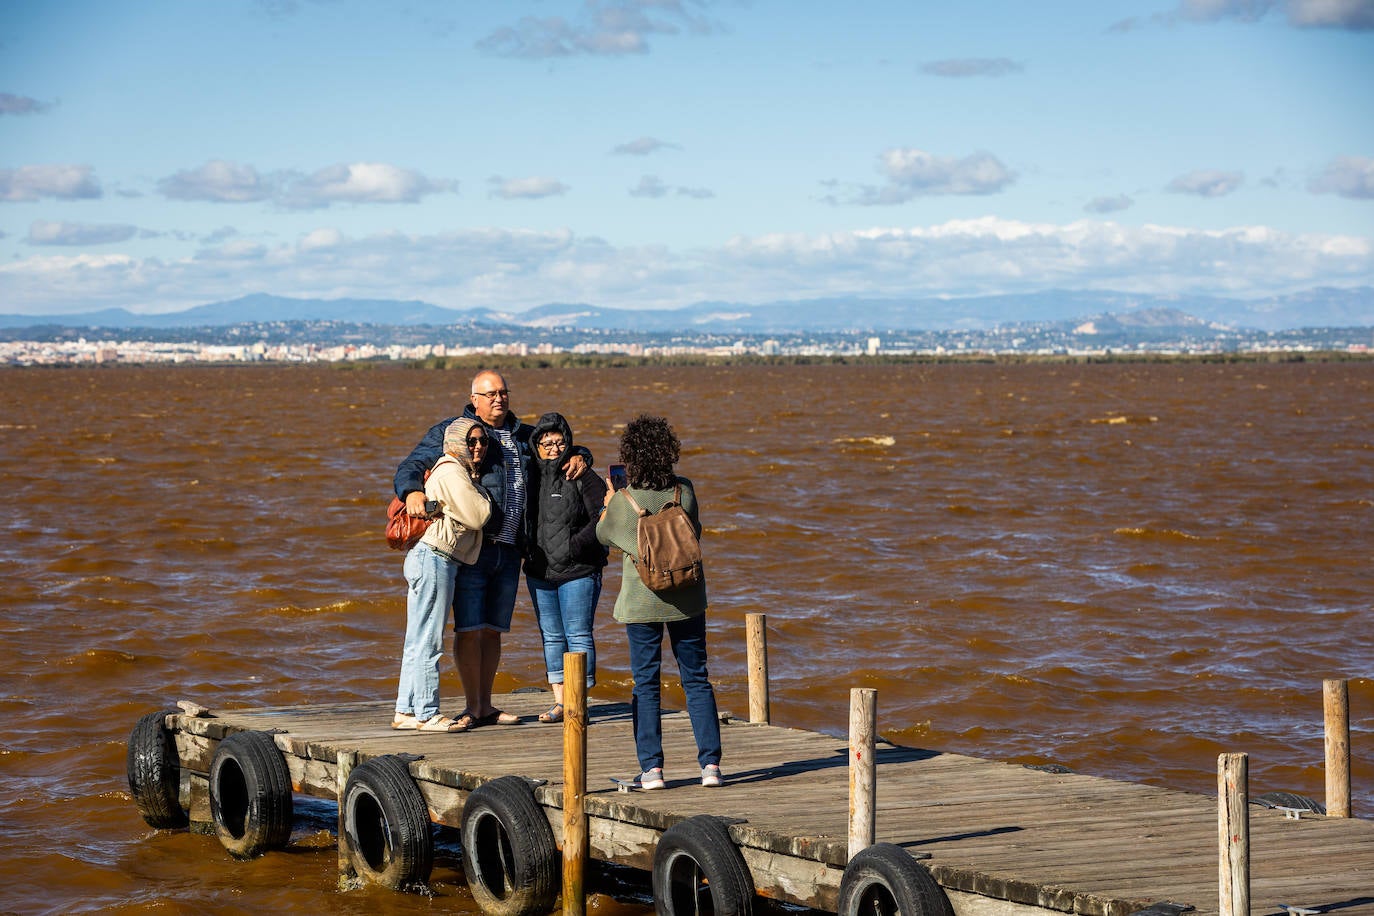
1122	569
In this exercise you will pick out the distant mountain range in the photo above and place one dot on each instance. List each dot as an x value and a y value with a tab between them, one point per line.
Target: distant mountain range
1315	308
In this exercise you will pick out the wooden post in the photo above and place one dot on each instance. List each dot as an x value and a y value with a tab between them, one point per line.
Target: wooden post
863	770
574	782
1233	833
757	641
346	760
1336	709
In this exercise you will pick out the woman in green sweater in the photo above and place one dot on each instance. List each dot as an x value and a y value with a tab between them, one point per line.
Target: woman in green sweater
649	450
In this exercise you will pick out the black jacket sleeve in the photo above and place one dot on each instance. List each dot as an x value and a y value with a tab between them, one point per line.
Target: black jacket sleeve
410	476
584	543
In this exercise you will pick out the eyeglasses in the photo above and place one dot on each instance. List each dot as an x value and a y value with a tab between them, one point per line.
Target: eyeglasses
493	395
552	444
477	442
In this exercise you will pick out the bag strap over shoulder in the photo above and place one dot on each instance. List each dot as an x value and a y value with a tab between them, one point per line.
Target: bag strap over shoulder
675	501
639	510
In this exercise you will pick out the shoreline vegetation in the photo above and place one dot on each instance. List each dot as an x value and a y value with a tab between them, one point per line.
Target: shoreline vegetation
604	361
506	362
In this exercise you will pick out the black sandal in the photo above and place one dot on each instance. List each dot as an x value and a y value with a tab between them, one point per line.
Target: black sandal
553	715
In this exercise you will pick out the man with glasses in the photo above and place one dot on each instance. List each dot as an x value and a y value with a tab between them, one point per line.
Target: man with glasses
485	591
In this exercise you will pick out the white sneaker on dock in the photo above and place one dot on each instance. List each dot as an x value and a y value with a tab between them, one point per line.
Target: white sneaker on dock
710	776
652	779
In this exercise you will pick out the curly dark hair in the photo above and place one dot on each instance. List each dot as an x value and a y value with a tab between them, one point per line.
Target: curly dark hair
649	449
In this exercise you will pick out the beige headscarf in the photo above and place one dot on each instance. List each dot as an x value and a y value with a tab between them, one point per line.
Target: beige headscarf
456	441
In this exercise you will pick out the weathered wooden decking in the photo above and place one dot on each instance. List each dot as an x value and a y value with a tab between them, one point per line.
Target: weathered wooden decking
996	833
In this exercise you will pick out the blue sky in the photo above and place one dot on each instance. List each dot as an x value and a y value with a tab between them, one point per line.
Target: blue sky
160	154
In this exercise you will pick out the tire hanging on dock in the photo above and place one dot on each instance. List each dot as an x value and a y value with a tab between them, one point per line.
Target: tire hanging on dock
884	879
1289	800
699	869
154	771
509	854
386	822
250	795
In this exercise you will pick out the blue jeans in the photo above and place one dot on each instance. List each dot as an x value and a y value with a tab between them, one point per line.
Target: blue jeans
484	593
429	576
688	639
565	613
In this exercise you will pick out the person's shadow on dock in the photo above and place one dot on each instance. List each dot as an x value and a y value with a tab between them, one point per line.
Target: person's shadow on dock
1343	905
887	754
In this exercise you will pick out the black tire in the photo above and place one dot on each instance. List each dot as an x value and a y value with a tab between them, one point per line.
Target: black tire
884	880
250	795
154	770
509	854
698	869
1289	800
387	824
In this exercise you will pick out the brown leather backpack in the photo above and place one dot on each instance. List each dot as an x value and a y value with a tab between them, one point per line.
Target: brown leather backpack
669	552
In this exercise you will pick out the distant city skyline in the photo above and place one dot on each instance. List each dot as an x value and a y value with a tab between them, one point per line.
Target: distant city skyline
160	155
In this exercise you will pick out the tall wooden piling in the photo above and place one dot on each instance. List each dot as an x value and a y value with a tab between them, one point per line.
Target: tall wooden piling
1336	712
344	762
756	634
1233	833
863	770
575	831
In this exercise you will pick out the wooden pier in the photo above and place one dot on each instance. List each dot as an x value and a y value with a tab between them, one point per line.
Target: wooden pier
997	837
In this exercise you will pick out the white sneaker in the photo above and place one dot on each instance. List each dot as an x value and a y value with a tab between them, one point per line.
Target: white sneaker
652	779
710	776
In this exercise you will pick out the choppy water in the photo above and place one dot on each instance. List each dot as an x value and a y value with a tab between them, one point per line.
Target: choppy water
1125	569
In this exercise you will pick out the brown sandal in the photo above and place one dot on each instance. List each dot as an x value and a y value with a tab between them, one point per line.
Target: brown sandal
440	724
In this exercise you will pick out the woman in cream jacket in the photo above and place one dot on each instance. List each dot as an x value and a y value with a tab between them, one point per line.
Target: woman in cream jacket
454	537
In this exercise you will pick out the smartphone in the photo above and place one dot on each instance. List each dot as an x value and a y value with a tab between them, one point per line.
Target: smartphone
617	477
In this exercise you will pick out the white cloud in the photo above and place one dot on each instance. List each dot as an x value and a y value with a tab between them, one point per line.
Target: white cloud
643	147
1347	176
972	66
914	173
11	104
1354	15
1212	10
361	183
525	188
514	270
219	181
604	27
1113	204
1206	183
43	232
655	187
649	186
35	182
322	238
223	233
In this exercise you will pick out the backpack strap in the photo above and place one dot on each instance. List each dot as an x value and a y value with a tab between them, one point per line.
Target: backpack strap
675	501
639	510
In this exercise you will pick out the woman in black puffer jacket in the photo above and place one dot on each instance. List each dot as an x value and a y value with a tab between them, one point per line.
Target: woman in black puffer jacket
563	557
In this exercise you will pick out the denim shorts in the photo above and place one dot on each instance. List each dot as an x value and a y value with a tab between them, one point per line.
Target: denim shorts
484	592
